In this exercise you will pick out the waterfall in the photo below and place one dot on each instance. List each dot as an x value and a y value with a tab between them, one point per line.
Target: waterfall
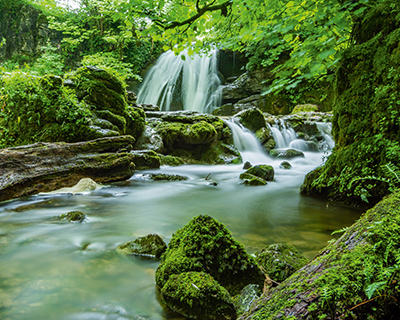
183	82
326	131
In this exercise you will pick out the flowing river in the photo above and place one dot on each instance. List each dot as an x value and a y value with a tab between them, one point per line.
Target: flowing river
58	270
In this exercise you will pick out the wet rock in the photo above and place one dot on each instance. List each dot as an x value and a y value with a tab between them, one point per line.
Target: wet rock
247	165
285	165
286	154
266	138
166	177
205	245
280	261
304	108
145	159
44	167
252	119
196	295
252	180
73	216
263	171
150	246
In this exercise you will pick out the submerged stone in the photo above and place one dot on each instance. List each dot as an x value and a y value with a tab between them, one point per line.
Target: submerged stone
205	245
280	261
151	245
166	177
196	295
73	216
285	165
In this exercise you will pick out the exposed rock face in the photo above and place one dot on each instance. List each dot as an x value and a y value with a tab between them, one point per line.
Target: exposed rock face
356	277
23	27
44	167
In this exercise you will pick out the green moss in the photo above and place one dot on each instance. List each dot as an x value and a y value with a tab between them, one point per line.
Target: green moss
252	180
253	119
135	121
286	154
304	108
74	216
280	261
206	245
263	171
150	245
166	177
196	295
170	160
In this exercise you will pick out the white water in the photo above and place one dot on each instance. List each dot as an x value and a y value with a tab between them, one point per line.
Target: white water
283	134
191	83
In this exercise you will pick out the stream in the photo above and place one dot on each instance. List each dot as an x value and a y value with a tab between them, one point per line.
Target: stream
52	269
60	270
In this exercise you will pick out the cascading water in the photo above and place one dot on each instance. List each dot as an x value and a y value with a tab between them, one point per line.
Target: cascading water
183	82
283	134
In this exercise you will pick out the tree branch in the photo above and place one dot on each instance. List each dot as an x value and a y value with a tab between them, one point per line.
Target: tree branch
200	12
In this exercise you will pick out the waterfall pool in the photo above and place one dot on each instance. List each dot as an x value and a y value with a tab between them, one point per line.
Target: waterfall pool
60	270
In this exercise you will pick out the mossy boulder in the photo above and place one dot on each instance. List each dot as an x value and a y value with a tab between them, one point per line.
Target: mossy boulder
263	171
106	94
74	216
205	245
266	138
253	119
285	165
252	180
280	261
286	154
196	295
365	123
171	161
151	245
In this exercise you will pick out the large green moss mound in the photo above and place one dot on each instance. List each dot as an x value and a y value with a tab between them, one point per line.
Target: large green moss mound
205	245
90	103
366	121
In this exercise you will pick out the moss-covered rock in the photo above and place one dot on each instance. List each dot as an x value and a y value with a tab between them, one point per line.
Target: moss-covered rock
286	154
365	124
196	295
149	246
285	165
253	119
205	245
252	180
266	138
147	159
74	216
246	298
171	160
304	108
265	172
280	261
194	137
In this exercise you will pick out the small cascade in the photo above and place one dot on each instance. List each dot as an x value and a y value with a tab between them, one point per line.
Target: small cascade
248	145
325	129
283	134
183	82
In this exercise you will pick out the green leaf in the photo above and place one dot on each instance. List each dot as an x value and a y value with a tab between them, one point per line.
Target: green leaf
372	288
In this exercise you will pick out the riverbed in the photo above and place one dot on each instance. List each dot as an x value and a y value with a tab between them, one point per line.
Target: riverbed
52	269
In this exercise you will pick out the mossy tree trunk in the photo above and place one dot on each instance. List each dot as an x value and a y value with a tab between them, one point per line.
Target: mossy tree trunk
356	277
